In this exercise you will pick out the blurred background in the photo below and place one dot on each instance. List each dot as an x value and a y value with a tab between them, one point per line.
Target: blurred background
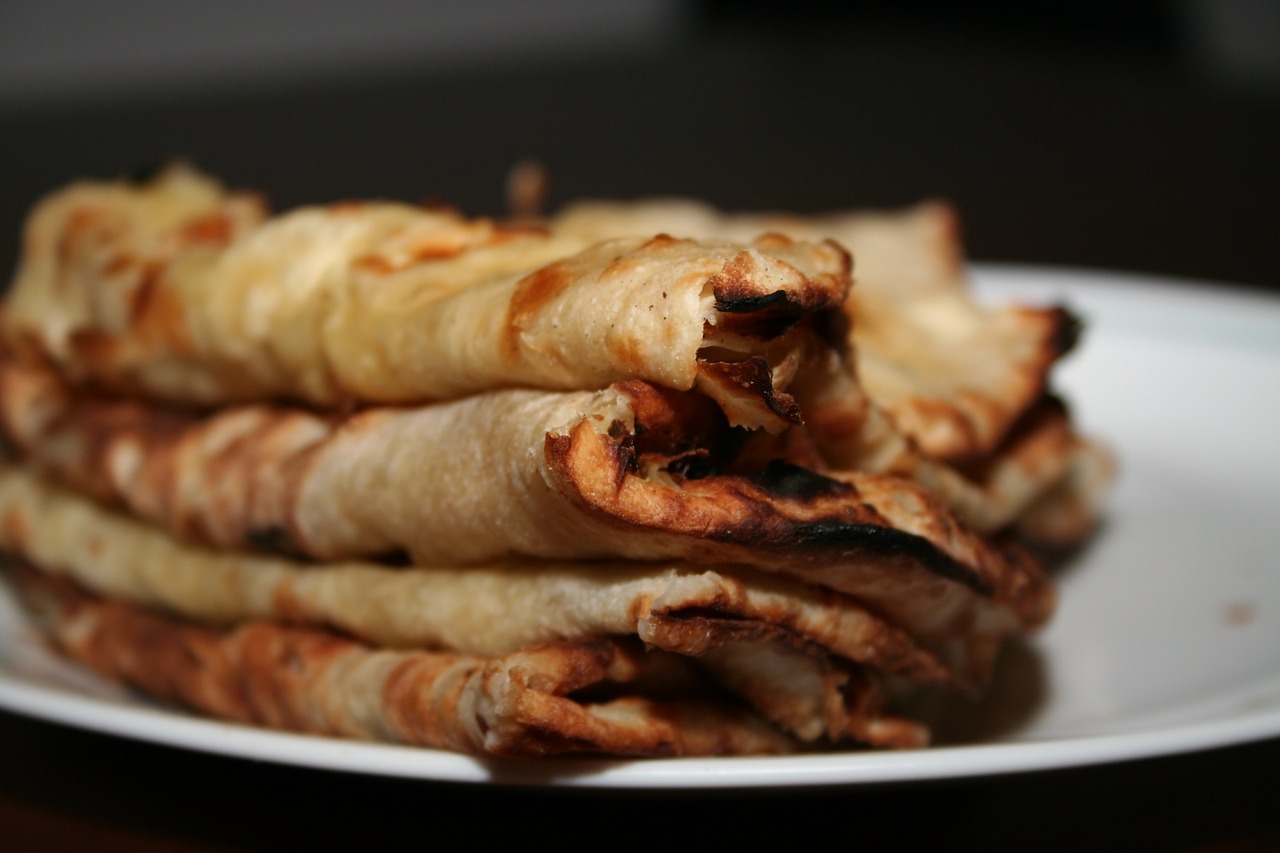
1128	135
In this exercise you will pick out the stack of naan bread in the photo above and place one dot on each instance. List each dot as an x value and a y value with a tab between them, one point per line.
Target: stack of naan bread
635	479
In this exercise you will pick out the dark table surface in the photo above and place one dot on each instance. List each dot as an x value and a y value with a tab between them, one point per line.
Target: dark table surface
1081	157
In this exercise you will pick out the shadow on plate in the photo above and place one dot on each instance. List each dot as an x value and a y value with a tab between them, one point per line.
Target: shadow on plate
1018	690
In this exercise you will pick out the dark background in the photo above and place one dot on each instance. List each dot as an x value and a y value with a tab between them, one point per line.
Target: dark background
1135	136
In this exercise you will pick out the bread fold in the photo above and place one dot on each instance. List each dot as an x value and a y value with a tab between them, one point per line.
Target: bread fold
811	663
632	472
953	374
533	703
163	289
486	609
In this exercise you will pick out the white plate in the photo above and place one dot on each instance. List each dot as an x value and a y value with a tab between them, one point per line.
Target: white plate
1168	635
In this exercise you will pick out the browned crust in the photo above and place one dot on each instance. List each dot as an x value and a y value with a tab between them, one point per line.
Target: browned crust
531	295
674	607
311	681
123	287
881	539
81	438
798	522
746	309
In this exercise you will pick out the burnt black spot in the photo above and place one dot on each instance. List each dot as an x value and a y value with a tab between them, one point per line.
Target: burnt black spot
832	539
732	304
273	538
872	539
763	316
784	480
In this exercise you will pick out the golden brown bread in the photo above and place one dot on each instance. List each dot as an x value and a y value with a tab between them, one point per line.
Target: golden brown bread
631	471
577	445
305	680
948	392
487	609
954	375
180	290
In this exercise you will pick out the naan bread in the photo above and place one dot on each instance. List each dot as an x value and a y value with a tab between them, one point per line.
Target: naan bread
534	702
935	386
954	376
640	482
179	290
489	609
628	472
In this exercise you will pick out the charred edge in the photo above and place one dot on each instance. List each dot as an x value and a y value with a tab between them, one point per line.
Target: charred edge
707	628
832	538
623	458
765	326
694	466
697	463
729	302
1042	413
1066	332
784	480
758	316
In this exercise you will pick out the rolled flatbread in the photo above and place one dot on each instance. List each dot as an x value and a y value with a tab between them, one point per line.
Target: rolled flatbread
489	609
172	289
632	471
305	680
954	375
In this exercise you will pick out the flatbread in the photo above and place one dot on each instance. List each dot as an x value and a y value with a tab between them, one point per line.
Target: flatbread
629	472
488	610
532	703
171	289
954	376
